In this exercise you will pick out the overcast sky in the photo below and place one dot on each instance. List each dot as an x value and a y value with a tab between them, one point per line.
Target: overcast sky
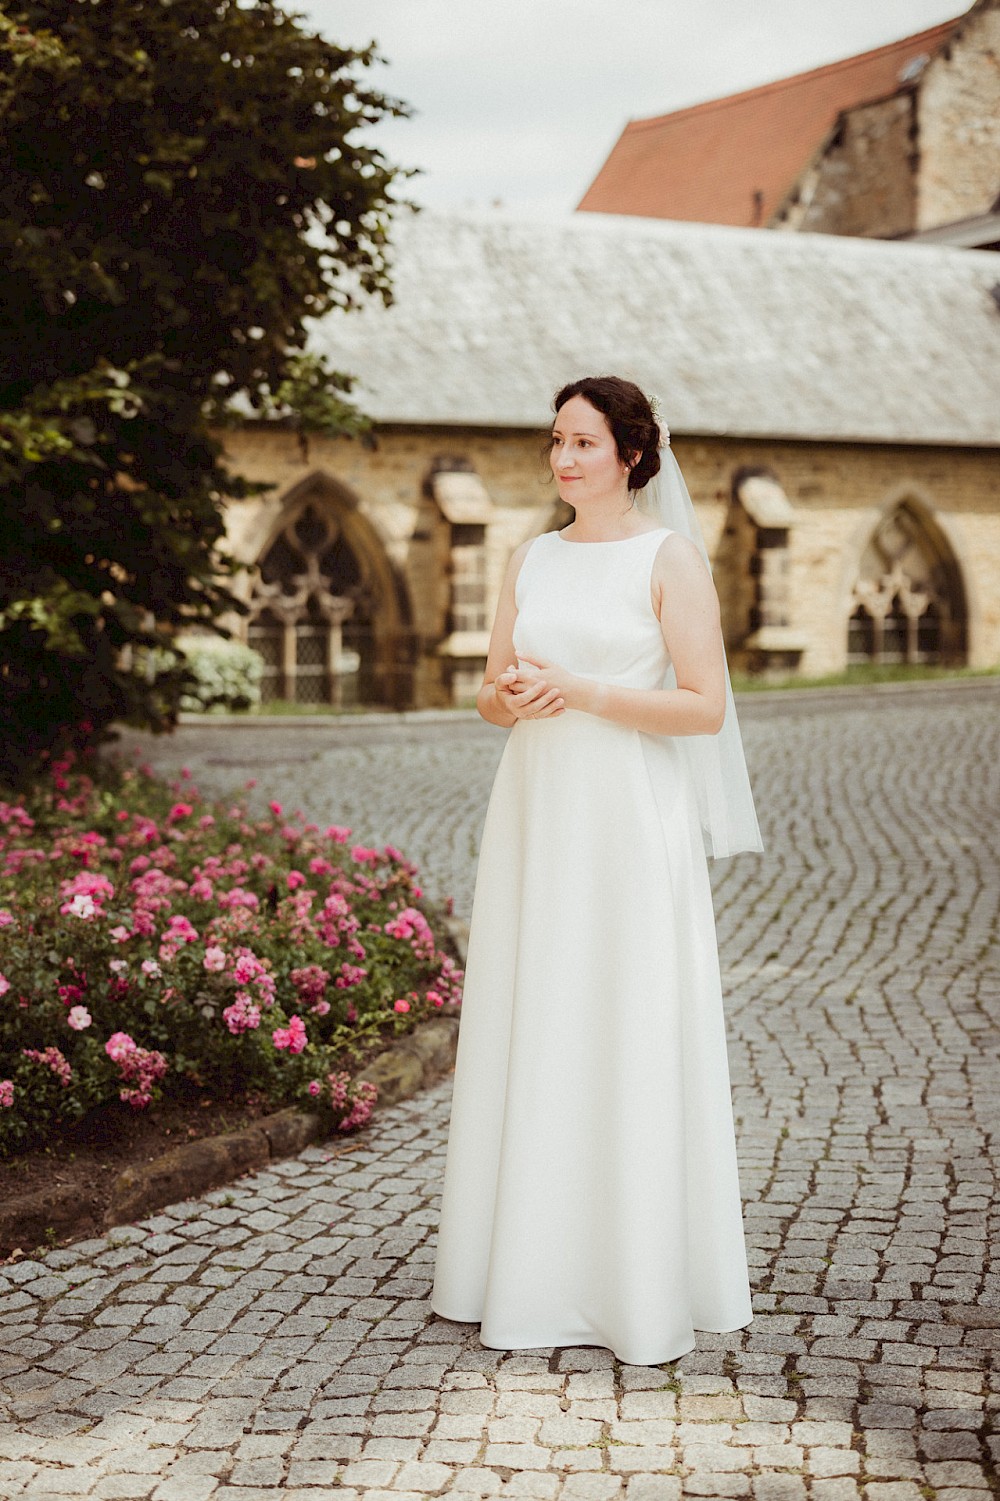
520	101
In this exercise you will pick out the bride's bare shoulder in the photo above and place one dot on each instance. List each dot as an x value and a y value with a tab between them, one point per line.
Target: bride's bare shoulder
678	553
517	558
680	576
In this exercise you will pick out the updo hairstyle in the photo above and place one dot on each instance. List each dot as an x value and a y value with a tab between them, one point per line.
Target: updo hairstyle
629	416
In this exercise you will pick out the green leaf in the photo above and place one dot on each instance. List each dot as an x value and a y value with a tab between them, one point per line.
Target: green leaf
162	188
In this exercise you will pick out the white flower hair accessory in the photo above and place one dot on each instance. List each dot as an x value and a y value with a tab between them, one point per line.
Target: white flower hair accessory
657	411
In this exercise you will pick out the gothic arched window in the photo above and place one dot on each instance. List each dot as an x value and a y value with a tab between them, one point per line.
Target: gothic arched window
908	604
310	615
860	636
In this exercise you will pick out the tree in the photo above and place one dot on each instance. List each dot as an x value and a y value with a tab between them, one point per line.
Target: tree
182	189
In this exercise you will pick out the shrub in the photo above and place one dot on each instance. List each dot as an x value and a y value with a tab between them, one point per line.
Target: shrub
148	939
227	674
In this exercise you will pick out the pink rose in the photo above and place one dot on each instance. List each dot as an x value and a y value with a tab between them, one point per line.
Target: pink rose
53	1059
246	969
237	897
361	1108
215	960
6	1093
4	984
87	883
242	1015
401	1006
119	1046
298	1035
350	974
180	930
79	1018
315	1087
293	1037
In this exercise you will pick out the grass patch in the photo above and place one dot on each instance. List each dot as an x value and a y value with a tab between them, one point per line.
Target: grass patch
860	676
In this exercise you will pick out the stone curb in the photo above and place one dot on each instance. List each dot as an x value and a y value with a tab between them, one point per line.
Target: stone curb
841	692
409	1064
331	721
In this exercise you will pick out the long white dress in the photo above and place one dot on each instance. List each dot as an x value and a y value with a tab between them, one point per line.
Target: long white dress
591	1194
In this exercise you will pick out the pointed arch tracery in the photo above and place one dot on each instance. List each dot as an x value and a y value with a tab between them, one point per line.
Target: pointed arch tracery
324	607
908	603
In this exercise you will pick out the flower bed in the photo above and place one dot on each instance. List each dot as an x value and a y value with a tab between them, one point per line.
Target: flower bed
149	941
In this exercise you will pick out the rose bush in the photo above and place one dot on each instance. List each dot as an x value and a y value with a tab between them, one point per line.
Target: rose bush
149	941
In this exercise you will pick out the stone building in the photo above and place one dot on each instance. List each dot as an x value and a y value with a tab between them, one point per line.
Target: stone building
834	404
902	141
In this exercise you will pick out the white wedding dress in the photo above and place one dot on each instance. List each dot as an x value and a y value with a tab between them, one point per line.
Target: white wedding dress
591	1194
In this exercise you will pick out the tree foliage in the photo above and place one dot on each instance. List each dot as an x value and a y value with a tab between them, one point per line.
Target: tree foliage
182	189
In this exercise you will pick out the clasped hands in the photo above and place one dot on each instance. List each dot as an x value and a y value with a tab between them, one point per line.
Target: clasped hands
530	689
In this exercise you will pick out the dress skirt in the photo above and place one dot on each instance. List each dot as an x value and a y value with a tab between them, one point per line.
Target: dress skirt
591	1193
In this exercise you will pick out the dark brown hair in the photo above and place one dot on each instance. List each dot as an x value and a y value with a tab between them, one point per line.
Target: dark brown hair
629	416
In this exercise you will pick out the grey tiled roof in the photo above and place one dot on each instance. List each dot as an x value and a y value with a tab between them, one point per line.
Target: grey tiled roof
738	331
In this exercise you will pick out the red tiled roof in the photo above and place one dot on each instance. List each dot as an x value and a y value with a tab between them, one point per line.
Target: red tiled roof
707	163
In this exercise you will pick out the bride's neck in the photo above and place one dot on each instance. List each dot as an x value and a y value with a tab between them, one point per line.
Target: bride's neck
607	521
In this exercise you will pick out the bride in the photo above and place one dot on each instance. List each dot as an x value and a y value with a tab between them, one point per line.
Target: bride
591	1194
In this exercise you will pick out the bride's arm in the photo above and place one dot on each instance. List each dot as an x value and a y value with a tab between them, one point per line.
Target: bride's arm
501	700
692	629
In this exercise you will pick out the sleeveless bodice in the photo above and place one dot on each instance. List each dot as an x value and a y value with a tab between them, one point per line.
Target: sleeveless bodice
586	606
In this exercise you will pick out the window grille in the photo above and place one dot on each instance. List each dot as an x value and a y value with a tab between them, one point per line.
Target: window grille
908	604
468	579
309	612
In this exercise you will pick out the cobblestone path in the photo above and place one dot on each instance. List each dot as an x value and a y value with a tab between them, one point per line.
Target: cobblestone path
276	1337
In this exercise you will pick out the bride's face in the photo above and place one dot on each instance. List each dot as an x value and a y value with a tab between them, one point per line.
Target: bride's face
583	455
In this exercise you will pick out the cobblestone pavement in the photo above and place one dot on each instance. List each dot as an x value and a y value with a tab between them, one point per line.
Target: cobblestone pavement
276	1336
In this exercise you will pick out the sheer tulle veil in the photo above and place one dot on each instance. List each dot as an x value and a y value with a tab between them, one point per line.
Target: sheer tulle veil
716	763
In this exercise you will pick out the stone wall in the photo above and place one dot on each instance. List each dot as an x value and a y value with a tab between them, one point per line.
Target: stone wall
959	123
863	181
839	492
928	155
